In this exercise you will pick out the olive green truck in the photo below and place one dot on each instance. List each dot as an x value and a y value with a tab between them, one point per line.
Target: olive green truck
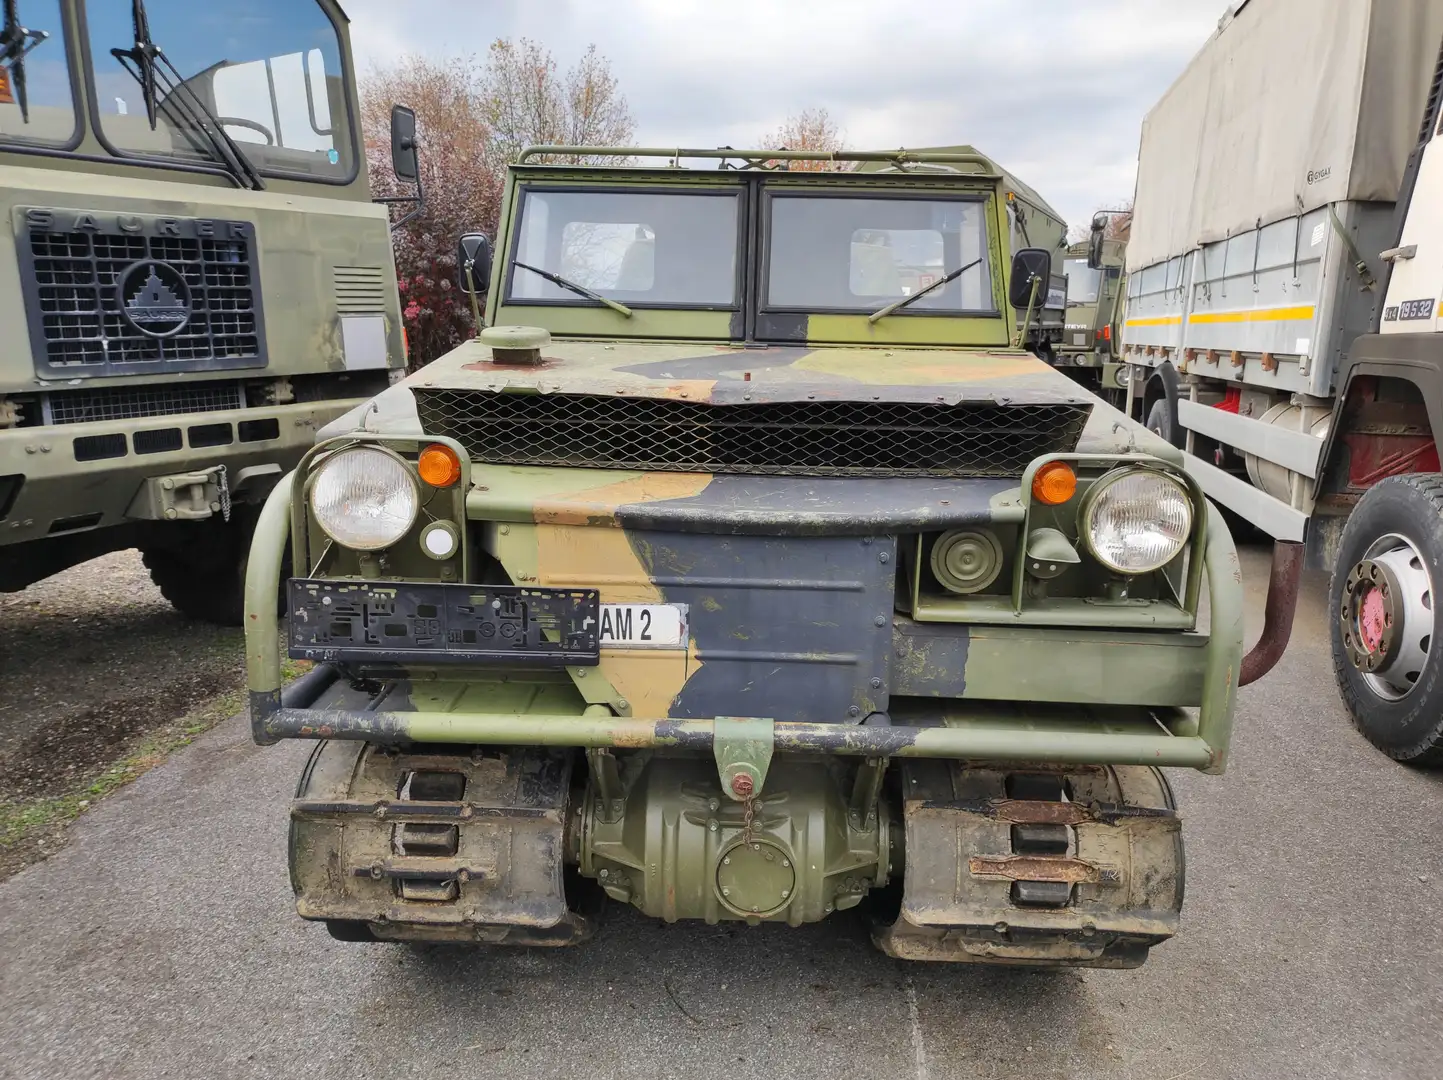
749	566
193	278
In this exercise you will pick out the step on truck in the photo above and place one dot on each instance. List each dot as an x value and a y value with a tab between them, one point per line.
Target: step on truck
1282	321
193	278
751	566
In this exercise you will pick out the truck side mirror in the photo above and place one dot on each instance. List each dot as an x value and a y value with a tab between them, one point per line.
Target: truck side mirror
1029	265
473	263
403	144
1094	241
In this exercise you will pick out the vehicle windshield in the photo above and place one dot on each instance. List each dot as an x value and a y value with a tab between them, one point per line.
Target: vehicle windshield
1082	282
43	80
838	253
639	248
270	70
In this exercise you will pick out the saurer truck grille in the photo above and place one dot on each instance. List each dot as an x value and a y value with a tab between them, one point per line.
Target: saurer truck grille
796	438
129	294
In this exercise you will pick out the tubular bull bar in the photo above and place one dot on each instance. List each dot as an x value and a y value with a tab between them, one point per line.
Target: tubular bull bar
275	716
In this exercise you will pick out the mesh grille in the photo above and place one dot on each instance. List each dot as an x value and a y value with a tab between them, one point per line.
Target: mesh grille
800	438
72	299
127	403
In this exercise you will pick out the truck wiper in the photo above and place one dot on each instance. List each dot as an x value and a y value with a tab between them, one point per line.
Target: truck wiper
149	66
15	42
898	305
580	290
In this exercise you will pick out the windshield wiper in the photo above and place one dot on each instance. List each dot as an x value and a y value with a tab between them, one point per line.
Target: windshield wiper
580	290
15	42
150	67
898	305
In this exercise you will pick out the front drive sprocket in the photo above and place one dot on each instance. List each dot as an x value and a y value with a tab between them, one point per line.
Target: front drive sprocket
434	846
1078	866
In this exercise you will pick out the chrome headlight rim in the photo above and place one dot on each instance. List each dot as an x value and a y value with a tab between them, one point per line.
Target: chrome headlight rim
329	460
1100	486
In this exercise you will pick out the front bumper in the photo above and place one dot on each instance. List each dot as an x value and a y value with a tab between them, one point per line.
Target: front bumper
962	729
58	492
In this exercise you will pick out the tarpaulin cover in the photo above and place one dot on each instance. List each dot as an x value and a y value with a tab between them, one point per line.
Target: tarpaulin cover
1291	105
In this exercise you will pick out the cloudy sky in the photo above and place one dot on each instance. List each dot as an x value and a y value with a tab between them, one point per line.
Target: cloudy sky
1054	89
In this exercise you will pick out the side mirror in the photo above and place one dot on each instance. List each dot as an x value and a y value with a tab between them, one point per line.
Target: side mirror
403	144
1029	265
1094	241
473	253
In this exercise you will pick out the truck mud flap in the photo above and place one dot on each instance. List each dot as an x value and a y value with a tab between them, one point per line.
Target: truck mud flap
435	846
1077	866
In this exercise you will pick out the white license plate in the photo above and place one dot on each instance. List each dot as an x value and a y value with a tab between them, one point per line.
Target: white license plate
643	626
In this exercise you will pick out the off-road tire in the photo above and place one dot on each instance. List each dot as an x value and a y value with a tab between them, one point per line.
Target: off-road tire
1409	729
201	569
1160	421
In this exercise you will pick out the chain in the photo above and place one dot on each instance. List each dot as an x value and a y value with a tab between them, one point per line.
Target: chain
748	812
224	485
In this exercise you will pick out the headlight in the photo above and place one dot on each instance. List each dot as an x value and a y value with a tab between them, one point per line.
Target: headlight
1136	520
364	498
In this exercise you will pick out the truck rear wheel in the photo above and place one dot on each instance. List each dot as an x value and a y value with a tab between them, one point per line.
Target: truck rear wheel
1385	617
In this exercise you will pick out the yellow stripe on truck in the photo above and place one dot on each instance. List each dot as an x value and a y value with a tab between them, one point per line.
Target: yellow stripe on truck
1279	314
1160	320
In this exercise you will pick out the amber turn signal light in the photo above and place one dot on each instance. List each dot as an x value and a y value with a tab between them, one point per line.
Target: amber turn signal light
439	466
1054	483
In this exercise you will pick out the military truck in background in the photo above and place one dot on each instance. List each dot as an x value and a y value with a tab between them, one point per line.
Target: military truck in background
1282	318
193	278
739	572
1087	348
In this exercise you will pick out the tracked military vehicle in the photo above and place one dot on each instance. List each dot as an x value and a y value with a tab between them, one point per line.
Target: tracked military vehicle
193	278
748	567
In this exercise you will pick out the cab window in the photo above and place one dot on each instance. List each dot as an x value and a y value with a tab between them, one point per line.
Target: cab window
1082	282
834	253
270	71
639	248
42	81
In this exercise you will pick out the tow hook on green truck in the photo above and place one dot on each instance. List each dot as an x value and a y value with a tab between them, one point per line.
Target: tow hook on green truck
749	566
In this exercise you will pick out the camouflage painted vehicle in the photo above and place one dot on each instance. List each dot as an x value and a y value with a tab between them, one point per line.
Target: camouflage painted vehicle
193	278
1094	310
724	577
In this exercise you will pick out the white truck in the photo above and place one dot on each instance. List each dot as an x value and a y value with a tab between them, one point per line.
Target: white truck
1285	280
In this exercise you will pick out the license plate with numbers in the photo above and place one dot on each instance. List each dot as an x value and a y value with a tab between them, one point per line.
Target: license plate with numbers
643	626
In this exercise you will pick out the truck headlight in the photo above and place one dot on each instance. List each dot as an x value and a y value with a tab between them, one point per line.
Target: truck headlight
1136	520
364	498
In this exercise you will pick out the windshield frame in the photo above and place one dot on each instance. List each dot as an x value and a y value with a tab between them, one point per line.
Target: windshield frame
524	189
17	144
338	23
764	259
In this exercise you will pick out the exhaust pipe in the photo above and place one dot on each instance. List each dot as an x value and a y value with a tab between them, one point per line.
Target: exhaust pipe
1278	612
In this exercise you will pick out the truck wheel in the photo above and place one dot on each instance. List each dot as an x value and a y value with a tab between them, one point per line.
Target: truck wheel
201	569
1160	421
1385	617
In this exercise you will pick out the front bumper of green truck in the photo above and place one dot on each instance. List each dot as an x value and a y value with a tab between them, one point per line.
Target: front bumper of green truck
1106	694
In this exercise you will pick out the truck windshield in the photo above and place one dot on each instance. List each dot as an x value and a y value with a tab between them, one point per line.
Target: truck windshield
40	81
833	253
270	70
639	248
1081	282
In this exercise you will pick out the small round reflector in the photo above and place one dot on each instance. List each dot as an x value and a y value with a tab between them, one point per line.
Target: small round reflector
439	466
1054	483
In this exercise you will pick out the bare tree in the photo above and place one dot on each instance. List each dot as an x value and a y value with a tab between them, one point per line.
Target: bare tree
527	101
810	129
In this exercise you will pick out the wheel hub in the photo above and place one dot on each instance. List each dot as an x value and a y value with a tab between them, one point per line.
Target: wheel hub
1386	616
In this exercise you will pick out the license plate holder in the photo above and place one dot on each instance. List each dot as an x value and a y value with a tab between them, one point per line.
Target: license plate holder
407	622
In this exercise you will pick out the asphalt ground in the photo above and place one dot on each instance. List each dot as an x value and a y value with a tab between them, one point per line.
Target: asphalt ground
161	942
